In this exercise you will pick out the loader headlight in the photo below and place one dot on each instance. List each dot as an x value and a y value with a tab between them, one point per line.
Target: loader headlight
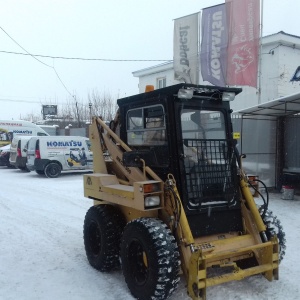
151	201
228	96
185	93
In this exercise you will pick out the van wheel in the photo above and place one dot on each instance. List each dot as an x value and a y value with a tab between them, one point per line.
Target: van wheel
52	170
102	229
150	259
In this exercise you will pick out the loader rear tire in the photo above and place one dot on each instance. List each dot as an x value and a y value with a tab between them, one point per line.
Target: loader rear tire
274	227
102	231
150	259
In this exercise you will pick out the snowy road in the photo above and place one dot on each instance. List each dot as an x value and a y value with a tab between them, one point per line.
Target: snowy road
42	254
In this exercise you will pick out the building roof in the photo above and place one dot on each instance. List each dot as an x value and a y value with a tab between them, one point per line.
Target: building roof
284	33
284	106
282	39
153	69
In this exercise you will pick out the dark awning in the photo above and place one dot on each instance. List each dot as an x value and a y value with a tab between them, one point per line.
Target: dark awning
284	106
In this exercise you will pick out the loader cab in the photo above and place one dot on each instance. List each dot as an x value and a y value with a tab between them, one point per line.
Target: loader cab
186	130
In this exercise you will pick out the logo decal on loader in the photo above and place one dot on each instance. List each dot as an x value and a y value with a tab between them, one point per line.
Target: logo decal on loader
89	181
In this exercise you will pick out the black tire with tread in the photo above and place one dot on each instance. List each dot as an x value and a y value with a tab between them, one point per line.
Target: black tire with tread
150	259
52	170
102	232
274	227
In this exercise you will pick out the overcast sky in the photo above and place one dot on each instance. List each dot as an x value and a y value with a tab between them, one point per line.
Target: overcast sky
115	29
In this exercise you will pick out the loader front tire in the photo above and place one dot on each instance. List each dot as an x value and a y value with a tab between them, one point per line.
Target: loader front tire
102	231
150	259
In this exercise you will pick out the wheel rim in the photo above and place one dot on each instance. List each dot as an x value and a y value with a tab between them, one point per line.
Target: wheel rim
53	170
94	238
138	261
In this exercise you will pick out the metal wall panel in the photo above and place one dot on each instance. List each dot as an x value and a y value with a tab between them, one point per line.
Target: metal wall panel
258	142
292	144
259	136
262	165
78	131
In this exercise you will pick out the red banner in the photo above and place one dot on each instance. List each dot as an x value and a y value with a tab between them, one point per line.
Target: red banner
243	43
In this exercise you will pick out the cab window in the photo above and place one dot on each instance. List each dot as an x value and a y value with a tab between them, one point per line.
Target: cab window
146	126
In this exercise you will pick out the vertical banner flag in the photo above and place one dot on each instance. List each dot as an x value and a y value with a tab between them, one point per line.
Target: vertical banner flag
185	49
213	55
243	41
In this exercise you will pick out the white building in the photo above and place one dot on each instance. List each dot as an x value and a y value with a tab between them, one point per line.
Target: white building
279	60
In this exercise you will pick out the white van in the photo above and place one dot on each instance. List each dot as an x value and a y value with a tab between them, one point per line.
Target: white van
50	155
18	152
10	129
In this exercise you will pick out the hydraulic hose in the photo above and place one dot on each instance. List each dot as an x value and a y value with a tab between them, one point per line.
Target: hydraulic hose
265	200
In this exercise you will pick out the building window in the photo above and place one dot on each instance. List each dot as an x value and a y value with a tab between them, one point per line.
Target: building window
161	82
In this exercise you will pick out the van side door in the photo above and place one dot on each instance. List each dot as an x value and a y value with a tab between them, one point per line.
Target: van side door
89	155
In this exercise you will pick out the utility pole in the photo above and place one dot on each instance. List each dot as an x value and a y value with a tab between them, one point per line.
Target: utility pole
78	119
260	52
90	107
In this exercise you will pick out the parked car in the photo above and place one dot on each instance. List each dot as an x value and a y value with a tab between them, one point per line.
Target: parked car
4	156
50	155
18	152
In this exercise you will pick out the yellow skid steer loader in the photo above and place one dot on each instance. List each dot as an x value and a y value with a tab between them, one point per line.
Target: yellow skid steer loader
170	196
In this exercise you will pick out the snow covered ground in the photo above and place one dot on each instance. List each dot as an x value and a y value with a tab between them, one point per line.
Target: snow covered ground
42	254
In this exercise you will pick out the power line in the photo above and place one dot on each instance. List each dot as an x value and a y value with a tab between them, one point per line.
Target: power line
34	56
32	101
27	53
37	102
19	100
52	67
82	58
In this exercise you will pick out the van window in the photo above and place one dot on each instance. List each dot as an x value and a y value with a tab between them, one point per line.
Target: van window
146	126
5	137
88	144
41	134
26	146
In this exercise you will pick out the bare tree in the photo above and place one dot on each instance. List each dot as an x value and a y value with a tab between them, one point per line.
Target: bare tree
32	117
103	105
78	112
